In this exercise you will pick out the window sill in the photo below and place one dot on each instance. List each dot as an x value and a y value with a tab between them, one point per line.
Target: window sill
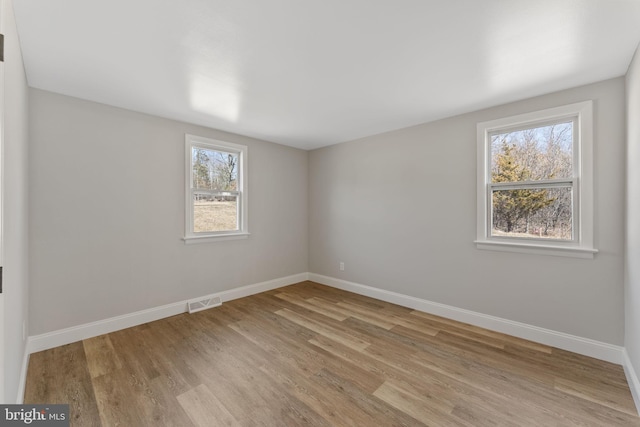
534	248
190	240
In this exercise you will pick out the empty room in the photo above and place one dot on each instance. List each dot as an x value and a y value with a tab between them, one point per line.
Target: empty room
324	213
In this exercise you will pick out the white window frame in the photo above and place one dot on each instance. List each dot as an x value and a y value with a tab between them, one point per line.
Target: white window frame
581	246
242	192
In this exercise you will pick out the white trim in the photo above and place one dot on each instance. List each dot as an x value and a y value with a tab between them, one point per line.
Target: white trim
249	290
582	246
632	378
23	375
88	330
243	190
585	346
536	248
209	238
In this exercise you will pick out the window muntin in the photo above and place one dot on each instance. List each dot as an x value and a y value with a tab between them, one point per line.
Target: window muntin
216	189
545	193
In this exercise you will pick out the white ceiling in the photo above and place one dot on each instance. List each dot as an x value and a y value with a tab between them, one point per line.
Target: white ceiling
312	73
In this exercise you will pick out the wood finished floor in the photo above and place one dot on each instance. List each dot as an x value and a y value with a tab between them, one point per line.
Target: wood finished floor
308	354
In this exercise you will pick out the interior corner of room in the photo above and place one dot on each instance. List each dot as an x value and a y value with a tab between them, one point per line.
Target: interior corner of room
93	223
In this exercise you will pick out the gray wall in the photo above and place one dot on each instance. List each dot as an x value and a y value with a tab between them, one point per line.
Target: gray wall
400	210
15	208
107	214
632	252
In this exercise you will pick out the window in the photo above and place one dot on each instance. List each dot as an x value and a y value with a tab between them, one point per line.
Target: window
535	182
216	190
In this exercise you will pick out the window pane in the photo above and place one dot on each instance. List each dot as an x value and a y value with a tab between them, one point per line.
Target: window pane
214	213
214	170
544	152
533	213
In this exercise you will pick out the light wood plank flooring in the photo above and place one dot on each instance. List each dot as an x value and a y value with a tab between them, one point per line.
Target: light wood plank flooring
308	354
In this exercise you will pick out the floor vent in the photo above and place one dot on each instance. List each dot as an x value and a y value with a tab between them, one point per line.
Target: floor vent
204	303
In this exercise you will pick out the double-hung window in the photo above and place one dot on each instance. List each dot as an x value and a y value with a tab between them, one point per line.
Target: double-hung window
535	182
216	190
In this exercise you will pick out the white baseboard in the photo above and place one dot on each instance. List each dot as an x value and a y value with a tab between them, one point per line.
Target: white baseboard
23	375
76	333
584	346
632	378
248	290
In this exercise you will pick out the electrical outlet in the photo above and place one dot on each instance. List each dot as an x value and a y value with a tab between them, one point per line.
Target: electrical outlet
341	266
